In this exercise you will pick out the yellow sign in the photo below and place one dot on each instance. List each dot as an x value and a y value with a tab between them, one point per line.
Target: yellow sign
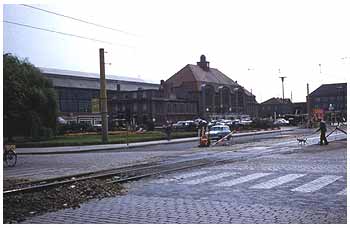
95	105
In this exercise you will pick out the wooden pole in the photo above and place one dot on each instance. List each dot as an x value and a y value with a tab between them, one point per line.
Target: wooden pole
103	98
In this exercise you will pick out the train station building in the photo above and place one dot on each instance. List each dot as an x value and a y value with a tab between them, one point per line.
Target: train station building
195	91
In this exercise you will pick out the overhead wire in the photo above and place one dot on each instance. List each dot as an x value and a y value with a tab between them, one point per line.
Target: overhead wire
66	34
80	20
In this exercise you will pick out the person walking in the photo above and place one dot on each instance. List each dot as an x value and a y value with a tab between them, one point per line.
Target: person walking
168	130
323	130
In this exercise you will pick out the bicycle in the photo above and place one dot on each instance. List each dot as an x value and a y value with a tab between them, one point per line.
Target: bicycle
10	156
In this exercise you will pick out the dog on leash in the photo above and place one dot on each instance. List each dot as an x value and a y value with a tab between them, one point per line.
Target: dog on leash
302	141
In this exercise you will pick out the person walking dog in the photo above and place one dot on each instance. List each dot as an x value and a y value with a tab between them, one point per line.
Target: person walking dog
323	130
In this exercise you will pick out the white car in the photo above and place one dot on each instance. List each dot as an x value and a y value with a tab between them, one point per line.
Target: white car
281	122
219	131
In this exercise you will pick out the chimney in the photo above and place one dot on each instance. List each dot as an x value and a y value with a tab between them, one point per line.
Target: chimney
204	64
161	84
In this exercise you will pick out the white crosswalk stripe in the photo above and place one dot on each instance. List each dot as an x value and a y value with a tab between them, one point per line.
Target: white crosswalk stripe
343	192
242	179
317	184
277	181
209	178
177	177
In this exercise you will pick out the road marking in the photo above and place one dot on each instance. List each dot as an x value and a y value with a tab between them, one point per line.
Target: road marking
182	176
208	178
317	184
278	181
343	192
242	179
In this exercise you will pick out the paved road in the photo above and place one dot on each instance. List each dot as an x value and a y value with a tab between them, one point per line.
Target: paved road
53	165
278	182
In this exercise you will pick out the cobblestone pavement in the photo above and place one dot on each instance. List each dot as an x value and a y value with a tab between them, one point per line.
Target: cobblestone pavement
305	185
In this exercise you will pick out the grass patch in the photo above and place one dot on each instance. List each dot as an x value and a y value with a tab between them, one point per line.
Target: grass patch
94	139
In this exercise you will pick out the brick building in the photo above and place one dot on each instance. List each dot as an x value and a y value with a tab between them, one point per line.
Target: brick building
195	91
330	99
276	105
217	95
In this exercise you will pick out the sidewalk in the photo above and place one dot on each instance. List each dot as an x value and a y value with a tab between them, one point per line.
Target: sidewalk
90	148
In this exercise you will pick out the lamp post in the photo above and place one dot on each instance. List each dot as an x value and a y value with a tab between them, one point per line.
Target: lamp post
221	101
203	97
236	95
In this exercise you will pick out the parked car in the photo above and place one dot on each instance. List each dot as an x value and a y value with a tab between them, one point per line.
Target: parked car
185	125
281	122
245	120
179	125
219	131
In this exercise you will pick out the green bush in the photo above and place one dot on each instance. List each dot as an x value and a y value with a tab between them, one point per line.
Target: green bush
74	128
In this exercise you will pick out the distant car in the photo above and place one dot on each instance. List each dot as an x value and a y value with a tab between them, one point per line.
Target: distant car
281	122
246	122
219	131
186	125
179	124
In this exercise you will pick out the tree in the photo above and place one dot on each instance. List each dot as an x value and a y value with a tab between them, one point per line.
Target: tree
30	104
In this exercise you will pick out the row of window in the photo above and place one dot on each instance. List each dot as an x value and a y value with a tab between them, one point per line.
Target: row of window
329	99
325	106
158	107
74	105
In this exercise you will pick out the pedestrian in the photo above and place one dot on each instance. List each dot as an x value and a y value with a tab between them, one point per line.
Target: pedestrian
323	130
168	130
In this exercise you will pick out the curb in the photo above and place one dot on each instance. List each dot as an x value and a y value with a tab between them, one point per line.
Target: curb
108	147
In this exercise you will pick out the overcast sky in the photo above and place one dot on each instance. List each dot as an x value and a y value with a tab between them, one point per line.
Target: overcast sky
263	36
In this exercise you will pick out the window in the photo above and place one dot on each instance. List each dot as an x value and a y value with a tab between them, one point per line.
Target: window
84	106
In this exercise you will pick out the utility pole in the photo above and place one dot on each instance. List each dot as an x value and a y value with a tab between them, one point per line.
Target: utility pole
103	97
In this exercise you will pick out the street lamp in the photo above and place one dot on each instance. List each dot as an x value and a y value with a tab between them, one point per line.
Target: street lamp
221	102
235	90
282	78
203	95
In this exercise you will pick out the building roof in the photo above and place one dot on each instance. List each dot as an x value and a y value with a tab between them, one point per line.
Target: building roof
89	75
83	80
335	89
213	75
276	101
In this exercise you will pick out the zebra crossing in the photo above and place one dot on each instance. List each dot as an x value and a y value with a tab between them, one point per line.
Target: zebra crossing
270	181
